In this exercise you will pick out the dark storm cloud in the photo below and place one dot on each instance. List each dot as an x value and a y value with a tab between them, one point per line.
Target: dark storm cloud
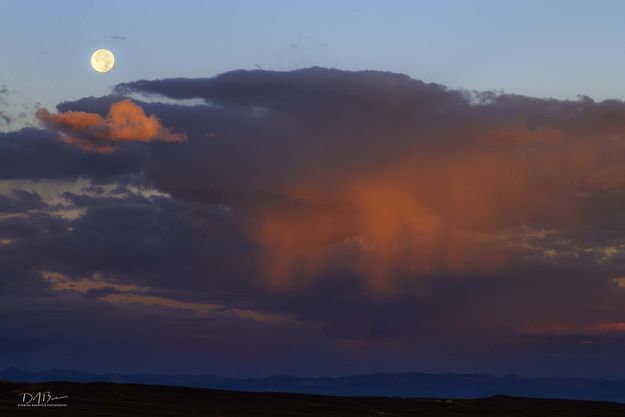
102	291
21	200
146	241
403	222
36	154
409	174
361	156
117	242
29	226
308	88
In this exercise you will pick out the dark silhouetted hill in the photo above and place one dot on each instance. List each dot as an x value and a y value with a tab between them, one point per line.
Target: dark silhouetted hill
382	384
103	399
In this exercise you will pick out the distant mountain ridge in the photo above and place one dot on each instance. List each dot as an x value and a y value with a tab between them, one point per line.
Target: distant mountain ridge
407	384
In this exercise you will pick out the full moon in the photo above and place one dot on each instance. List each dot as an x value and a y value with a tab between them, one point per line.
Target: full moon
102	60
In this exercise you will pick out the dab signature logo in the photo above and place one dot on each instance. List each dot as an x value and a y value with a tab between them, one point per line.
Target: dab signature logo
41	399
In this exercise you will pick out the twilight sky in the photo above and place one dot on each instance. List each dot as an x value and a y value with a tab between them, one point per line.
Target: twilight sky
313	189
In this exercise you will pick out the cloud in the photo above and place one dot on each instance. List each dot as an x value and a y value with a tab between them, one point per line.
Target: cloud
20	201
36	154
108	291
391	178
125	122
409	211
5	118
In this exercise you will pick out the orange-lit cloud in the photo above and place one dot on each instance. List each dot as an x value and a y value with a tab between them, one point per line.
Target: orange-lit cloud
432	210
392	180
125	121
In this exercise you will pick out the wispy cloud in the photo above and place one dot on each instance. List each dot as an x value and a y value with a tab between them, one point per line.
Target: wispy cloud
109	291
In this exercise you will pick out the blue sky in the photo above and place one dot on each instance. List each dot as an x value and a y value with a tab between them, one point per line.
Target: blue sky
555	48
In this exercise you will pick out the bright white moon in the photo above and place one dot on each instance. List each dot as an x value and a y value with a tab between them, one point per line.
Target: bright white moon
102	60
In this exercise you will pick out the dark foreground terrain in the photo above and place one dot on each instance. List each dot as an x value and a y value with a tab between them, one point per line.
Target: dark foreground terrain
109	399
402	384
